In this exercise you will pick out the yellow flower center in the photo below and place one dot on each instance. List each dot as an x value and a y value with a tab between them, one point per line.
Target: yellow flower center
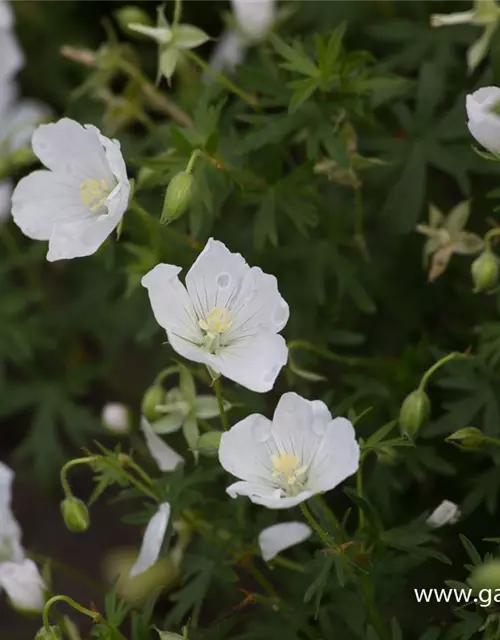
218	321
93	193
287	466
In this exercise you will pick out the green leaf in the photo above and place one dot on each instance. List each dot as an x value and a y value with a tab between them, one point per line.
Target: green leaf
186	36
296	59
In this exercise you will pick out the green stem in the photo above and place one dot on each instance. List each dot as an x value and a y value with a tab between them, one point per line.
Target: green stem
177	12
69	570
359	491
64	472
325	538
196	154
489	236
262	580
359	224
220	402
436	366
140	472
141	487
325	353
222	79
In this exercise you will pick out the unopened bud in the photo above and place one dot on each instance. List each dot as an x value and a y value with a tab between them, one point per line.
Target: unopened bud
178	196
116	418
414	412
484	271
208	443
468	439
154	397
132	15
486	576
49	633
75	514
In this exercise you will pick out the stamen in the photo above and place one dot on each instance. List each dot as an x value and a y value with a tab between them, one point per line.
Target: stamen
93	193
287	466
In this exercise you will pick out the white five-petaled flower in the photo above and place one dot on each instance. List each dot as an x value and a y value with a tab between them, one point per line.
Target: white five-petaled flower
227	316
278	537
483	112
19	576
302	452
81	198
446	513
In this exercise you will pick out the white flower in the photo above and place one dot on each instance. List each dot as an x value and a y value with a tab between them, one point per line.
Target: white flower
23	585
277	538
152	540
165	457
254	17
78	202
483	119
302	452
6	16
228	53
11	60
447	513
227	317
19	577
115	417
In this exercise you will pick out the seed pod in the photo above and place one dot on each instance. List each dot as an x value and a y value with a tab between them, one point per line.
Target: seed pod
208	443
414	412
484	271
52	633
178	196
75	515
486	576
468	439
153	397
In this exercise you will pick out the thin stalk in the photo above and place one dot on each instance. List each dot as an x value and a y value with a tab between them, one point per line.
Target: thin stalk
222	79
220	402
359	491
437	365
64	472
492	233
314	524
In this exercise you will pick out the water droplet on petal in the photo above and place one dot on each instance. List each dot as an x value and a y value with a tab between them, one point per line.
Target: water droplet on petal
261	430
223	280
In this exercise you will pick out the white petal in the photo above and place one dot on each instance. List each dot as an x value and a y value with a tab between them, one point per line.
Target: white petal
21	121
245	450
337	457
166	458
73	150
174	311
228	54
6	16
43	199
257	306
277	538
446	513
447	19
6	480
253	490
280	502
215	277
254	17
79	238
23	584
254	362
152	540
483	124
477	51
11	56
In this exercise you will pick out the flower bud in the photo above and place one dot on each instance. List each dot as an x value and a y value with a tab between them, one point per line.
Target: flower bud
115	417
468	439
153	397
75	514
484	271
132	14
208	443
178	196
414	412
486	576
52	633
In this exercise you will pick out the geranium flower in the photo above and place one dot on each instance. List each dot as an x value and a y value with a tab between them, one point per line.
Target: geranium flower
227	316
302	452
78	202
278	537
19	576
484	117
